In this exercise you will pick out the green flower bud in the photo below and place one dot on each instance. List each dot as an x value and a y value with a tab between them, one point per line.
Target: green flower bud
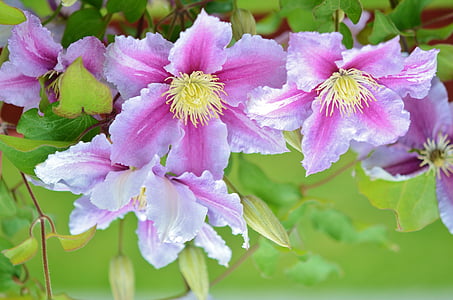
261	219
294	138
242	21
121	277
192	265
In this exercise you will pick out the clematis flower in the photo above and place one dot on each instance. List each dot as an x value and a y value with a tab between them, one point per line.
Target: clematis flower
191	95
34	55
171	209
340	95
426	148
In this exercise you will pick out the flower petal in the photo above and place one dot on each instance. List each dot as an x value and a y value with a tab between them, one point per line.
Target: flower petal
32	48
153	250
144	127
213	244
132	64
201	148
444	191
245	135
284	109
201	47
311	58
247	67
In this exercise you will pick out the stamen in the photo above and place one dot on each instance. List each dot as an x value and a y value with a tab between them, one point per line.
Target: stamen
53	80
140	201
346	90
438	155
195	97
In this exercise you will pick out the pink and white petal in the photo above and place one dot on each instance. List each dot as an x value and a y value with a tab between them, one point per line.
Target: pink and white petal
18	89
86	215
201	148
92	52
32	48
247	67
383	121
223	208
283	109
144	127
213	244
377	60
444	191
153	250
132	64
201	47
245	135
311	58
173	209
415	78
79	168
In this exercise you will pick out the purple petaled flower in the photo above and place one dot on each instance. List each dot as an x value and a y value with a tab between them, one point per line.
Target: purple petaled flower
171	209
427	147
191	95
34	55
339	95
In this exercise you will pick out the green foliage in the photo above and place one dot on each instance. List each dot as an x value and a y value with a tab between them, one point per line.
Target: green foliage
10	15
312	269
413	201
266	258
383	28
347	41
74	242
132	9
269	24
219	6
95	3
426	35
352	8
22	252
7	274
407	14
82	23
7	205
444	60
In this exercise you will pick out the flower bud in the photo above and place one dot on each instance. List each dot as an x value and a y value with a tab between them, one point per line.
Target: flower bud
261	219
294	138
192	265
242	21
121	277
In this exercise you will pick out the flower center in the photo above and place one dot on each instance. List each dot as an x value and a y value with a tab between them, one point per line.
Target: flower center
195	97
52	81
438	155
140	200
346	90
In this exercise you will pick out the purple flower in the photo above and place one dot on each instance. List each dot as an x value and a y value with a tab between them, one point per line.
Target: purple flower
171	209
340	95
191	95
426	148
34	55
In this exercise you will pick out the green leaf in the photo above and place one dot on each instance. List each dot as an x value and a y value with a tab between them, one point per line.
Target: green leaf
12	225
7	273
255	182
68	3
352	8
219	6
444	60
192	265
7	204
22	252
74	242
132	9
383	28
348	42
426	35
10	15
82	23
81	92
26	154
96	3
312	269
266	258
413	201
268	24
301	20
407	14
52	127
287	6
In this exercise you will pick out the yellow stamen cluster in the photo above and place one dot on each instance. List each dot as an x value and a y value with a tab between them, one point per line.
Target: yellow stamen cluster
346	90
140	201
438	155
53	79
195	97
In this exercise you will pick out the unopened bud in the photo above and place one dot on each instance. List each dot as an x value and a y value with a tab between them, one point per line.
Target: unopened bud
294	139
121	277
68	3
261	219
192	265
242	21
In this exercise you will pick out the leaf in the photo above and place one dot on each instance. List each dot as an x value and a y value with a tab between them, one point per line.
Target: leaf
301	20
74	242
96	3
68	3
326	9
444	60
22	252
352	8
266	258
12	225
192	265
82	23
7	204
132	9
26	154
413	201
426	35
10	15
287	6
312	270
219	6
268	24
407	14
81	92
348	42
7	273
255	182
52	127
383	28
294	139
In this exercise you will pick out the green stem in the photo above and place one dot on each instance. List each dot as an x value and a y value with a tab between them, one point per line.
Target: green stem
231	185
337	20
54	15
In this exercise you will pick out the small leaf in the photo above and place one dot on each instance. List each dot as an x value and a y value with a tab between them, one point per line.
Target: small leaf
407	14
219	6
81	92
7	273
426	35
74	242
10	15
192	264
348	41
313	270
444	60
294	139
352	8
132	9
82	23
383	28
22	252
266	258
121	277
269	24
7	204
12	225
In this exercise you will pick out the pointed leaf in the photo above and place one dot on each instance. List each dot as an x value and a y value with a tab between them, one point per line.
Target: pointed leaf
22	252
426	35
352	8
81	92
312	270
132	9
407	14
192	264
82	23
7	204
10	15
444	60
347	41
383	28
74	242
266	258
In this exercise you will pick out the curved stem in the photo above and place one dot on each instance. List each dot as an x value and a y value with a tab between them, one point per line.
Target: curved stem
54	15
